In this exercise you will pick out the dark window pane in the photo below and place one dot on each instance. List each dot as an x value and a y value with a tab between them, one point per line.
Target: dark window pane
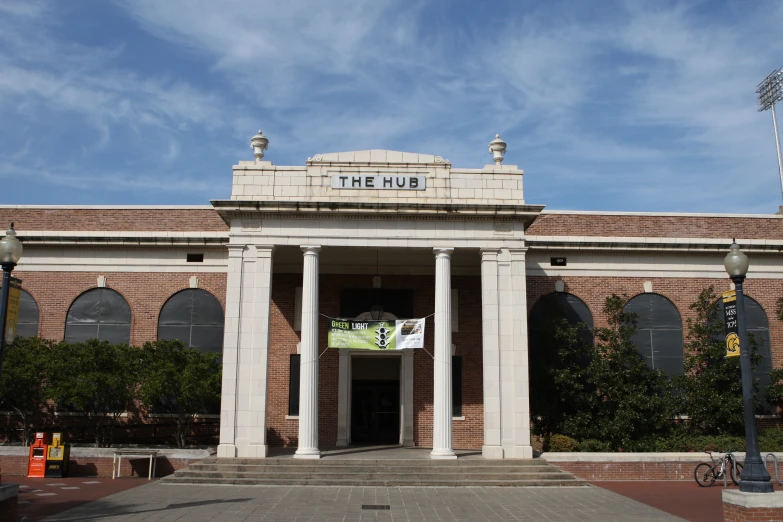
27	324
643	342
100	313
207	338
115	334
77	333
26	330
456	386
659	335
178	310
195	317
671	365
86	308
170	333
206	309
293	385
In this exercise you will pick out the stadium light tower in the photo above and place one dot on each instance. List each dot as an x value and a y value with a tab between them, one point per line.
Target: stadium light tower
770	91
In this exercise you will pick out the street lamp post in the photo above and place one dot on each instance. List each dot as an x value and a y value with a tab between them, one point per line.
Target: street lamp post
755	478
10	253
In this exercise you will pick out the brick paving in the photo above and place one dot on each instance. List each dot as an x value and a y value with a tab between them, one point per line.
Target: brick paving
42	497
156	502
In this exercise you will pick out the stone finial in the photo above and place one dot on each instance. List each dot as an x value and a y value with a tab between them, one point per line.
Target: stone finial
259	143
497	148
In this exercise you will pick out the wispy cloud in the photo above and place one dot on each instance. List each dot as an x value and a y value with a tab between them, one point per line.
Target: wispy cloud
622	105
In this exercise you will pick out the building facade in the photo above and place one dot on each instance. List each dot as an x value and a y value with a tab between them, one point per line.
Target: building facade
381	234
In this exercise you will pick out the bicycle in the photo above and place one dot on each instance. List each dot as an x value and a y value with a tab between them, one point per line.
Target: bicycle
706	474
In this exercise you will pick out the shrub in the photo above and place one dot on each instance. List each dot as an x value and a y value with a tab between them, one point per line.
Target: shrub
561	443
593	445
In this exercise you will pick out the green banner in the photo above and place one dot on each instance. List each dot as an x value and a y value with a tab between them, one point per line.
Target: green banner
376	335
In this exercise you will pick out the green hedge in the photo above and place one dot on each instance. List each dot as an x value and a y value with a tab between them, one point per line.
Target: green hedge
770	440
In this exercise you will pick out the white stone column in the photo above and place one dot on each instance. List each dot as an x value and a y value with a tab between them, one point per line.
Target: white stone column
490	322
308	374
441	422
228	395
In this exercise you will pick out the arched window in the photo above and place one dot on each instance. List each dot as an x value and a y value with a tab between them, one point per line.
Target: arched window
659	332
542	324
756	323
195	317
551	307
100	313
27	325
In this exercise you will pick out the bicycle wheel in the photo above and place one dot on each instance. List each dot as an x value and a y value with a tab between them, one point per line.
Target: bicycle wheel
735	477
704	475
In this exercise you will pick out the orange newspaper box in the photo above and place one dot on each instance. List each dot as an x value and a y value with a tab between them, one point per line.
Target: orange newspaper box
36	465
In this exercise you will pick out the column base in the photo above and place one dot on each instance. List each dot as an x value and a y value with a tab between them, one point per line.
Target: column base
408	443
307	453
341	442
226	451
442	454
492	452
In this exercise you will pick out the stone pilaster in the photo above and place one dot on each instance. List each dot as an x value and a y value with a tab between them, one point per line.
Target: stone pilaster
228	400
246	352
441	422
491	353
308	374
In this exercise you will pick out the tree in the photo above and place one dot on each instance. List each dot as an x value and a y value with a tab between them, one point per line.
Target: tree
96	378
711	386
631	402
22	380
181	381
558	374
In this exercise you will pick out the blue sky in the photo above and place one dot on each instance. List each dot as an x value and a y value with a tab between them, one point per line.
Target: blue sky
616	105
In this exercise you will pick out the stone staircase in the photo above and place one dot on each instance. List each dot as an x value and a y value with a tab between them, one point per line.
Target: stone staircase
382	472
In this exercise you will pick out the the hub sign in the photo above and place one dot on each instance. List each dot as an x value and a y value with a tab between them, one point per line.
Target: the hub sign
380	182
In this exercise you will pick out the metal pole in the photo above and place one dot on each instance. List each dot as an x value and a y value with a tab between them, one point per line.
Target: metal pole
4	292
755	478
777	144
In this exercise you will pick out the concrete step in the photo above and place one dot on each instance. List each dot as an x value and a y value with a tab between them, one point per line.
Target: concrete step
374	475
385	462
380	482
380	472
452	470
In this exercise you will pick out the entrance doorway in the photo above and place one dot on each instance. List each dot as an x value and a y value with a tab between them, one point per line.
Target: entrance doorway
375	400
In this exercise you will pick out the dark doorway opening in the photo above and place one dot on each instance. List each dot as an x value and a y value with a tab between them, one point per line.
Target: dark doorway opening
375	400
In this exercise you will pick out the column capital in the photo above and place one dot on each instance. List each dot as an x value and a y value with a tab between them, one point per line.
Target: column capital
443	251
489	252
311	250
235	249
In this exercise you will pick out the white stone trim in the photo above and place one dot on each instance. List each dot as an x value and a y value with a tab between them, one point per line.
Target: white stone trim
662	214
736	497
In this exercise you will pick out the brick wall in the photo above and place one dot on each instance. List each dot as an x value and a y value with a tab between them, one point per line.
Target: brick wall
115	219
734	513
656	226
146	293
682	292
639	470
283	341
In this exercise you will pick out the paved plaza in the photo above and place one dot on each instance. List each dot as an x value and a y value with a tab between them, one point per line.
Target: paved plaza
158	502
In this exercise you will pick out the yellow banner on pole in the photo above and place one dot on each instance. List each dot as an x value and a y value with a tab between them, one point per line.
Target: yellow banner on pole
730	320
12	312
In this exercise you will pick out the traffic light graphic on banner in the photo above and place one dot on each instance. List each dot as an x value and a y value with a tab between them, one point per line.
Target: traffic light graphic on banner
382	337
